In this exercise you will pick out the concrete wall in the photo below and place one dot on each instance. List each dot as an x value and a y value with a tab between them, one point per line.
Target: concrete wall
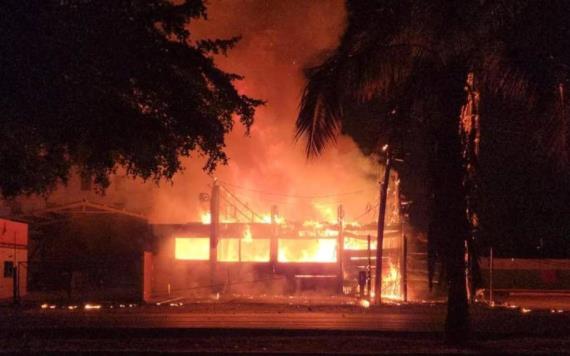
531	274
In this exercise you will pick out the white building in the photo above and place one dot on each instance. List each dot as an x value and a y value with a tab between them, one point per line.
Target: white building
13	257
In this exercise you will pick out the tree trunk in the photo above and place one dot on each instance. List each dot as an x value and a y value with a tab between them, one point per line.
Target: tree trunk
450	203
450	225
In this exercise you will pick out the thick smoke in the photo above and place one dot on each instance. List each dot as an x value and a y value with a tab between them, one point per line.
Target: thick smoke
279	39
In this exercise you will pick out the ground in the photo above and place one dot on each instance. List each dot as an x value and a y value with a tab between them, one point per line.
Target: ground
285	325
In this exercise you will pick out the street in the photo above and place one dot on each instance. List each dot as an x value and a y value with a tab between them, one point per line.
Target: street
231	327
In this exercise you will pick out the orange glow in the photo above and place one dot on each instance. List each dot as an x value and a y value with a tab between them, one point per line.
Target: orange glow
247	237
391	283
92	307
326	211
355	243
192	248
277	219
307	250
314	224
253	250
246	249
206	218
228	250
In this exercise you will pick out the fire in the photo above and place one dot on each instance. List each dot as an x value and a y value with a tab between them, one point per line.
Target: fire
92	307
354	243
313	224
391	283
253	250
206	218
277	219
326	211
192	248
365	303
307	250
247	237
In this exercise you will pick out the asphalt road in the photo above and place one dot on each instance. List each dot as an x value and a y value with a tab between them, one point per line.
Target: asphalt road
263	328
232	316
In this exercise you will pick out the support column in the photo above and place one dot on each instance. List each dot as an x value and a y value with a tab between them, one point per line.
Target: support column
340	248
147	277
381	219
273	243
214	234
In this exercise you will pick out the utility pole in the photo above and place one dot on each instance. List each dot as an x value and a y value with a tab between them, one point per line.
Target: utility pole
404	247
273	243
381	218
340	248
491	296
369	274
214	232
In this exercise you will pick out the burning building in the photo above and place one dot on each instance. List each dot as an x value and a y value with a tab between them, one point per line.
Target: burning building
271	256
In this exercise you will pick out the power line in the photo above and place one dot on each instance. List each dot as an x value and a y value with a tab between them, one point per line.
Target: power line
368	211
241	202
298	196
237	209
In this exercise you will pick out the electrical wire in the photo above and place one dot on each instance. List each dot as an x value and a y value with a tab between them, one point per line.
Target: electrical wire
297	196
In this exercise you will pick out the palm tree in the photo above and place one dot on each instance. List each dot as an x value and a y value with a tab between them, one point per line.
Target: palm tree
409	63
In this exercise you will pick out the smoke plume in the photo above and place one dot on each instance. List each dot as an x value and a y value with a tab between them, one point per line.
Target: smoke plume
279	39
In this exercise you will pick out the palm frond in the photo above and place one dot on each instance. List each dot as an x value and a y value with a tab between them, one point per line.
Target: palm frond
320	109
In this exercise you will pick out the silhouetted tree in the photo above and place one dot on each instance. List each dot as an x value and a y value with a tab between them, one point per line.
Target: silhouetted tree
101	84
409	62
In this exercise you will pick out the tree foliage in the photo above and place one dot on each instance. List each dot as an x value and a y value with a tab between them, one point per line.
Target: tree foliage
103	84
398	77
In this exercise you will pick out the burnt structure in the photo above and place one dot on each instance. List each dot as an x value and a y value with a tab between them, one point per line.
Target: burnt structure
256	258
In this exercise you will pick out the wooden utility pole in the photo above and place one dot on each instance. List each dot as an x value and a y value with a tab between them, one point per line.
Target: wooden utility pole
340	248
491	296
404	268
369	274
273	243
214	232
381	218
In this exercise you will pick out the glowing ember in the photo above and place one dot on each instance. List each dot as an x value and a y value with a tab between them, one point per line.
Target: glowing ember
92	307
365	303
